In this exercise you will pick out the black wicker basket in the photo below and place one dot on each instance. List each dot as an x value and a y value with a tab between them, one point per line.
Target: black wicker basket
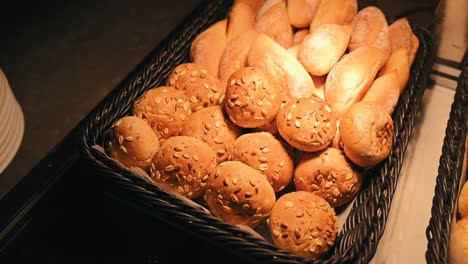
359	237
450	172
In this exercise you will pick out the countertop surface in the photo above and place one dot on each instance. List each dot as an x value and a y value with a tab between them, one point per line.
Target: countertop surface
62	58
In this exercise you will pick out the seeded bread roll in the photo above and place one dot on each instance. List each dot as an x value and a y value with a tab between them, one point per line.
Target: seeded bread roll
304	224
184	163
463	201
321	49
252	97
213	127
329	175
458	253
132	142
165	109
299	36
339	12
270	128
200	87
275	23
207	48
307	123
367	133
370	28
398	63
351	77
262	151
385	91
301	12
238	194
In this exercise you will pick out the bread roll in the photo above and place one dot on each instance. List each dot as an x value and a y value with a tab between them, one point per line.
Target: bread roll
328	174
270	128
253	98
263	152
458	253
351	77
370	28
270	56
307	123
319	82
267	4
132	142
294	51
400	34
366	131
213	127
385	91
238	194
235	55
275	24
242	17
304	224
165	109
299	36
200	87
337	143
463	201
339	12
301	12
184	163
398	63
208	47
414	48
322	49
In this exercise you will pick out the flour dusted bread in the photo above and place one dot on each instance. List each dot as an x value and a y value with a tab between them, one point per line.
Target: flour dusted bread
385	91
301	12
238	194
339	12
275	23
262	151
400	35
242	17
208	47
351	77
132	142
366	132
185	164
398	63
328	174
165	109
304	224
265	53
202	88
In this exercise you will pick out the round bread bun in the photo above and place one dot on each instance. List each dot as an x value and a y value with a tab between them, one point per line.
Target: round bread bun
329	175
463	201
307	123
201	87
458	253
263	152
238	194
366	132
165	109
132	142
253	97
185	164
212	126
304	224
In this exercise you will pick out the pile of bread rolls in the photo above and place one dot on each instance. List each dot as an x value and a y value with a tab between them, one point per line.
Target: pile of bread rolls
459	230
295	94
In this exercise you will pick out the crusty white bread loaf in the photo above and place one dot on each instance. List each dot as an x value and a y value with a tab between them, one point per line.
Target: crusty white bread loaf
370	28
385	91
269	55
208	47
235	55
339	12
301	12
398	63
321	49
351	77
242	17
275	23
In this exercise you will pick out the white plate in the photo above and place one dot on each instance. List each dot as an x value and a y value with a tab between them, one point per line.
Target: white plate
16	140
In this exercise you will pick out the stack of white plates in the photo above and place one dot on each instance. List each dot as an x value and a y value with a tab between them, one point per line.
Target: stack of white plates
11	123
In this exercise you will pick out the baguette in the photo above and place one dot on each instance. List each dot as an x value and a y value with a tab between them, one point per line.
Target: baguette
301	12
266	53
275	23
351	77
385	91
398	63
208	47
339	12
